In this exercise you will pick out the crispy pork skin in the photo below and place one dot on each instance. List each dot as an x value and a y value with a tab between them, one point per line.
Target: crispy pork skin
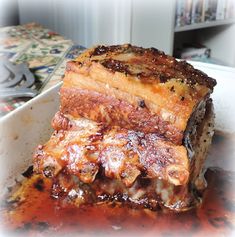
136	88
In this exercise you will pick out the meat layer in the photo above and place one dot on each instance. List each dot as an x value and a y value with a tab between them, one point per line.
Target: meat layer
83	147
112	163
115	112
144	193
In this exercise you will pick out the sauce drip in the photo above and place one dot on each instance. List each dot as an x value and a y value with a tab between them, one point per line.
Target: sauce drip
31	211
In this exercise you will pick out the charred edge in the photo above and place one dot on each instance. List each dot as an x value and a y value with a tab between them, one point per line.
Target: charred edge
172	89
142	104
100	50
29	172
194	76
155	51
115	65
39	185
163	78
190	126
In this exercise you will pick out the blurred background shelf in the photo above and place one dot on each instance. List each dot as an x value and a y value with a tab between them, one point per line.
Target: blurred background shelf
207	24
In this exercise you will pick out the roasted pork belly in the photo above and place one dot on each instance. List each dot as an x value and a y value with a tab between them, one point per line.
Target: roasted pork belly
135	88
134	126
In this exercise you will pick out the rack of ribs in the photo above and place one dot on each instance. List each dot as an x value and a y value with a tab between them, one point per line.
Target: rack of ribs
134	126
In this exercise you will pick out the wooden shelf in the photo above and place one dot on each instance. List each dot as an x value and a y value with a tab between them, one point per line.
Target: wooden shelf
204	25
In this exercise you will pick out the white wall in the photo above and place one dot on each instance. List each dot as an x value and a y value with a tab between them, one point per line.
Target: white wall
87	22
221	41
146	23
8	12
153	24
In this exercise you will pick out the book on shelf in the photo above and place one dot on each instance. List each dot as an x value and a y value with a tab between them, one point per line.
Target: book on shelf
183	12
230	9
197	11
179	13
197	8
188	11
209	9
220	10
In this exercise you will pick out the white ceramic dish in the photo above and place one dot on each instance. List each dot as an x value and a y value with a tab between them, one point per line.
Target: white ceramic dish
22	130
29	125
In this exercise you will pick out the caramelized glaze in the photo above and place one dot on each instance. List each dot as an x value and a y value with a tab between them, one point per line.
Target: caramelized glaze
33	212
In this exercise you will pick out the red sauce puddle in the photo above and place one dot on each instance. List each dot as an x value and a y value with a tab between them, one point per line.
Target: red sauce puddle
37	214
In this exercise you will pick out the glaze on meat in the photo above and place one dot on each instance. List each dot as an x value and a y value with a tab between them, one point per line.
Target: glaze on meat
129	117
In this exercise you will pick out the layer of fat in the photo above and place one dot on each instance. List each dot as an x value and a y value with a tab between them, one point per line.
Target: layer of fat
159	99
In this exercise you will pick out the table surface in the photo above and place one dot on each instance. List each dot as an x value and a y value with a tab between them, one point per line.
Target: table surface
44	51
